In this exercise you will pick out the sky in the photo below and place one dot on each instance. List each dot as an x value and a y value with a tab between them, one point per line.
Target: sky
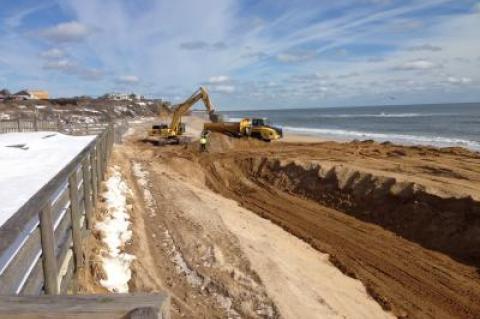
248	54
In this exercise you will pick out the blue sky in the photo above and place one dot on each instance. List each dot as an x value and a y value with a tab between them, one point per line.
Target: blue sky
249	54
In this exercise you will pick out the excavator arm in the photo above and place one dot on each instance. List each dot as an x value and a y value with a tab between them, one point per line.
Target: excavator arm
182	108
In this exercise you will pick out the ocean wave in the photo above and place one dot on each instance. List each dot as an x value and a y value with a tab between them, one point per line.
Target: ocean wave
368	115
233	119
383	114
382	137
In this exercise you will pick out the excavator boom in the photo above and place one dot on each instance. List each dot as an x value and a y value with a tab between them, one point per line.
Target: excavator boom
162	132
182	108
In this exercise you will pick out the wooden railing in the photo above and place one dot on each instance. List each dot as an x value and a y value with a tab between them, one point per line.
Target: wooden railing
114	306
41	244
32	125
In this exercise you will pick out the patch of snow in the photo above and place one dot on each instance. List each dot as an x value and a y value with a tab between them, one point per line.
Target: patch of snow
141	103
63	269
23	171
181	266
40	107
120	108
91	110
142	178
4	116
129	132
22	106
116	233
88	120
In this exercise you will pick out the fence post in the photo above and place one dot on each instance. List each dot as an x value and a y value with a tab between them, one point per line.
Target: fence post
98	160
35	124
87	194
76	227
48	251
104	150
93	169
18	125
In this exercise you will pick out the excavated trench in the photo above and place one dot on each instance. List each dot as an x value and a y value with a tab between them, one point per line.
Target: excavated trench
417	252
447	225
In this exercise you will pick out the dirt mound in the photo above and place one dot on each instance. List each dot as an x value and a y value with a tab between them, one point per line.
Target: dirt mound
335	209
449	225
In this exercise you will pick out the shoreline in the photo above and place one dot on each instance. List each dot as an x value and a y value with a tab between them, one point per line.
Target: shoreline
295	136
195	121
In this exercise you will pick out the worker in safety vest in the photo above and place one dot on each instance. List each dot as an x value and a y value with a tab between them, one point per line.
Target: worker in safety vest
204	141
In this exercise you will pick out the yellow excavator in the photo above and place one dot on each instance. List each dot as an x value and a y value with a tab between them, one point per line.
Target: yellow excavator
174	133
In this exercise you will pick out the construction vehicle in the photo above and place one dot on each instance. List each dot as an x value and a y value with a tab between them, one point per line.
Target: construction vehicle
253	127
174	133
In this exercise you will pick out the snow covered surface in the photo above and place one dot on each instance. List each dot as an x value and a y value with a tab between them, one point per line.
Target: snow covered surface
28	161
116	233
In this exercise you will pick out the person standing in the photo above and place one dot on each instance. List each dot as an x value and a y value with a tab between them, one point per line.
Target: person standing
204	141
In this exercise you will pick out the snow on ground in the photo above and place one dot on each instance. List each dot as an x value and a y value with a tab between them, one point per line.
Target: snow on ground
28	161
116	233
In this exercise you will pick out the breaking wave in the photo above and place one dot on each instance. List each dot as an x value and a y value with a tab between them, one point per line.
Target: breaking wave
382	137
384	114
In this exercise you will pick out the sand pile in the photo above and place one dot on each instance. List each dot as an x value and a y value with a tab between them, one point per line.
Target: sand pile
436	221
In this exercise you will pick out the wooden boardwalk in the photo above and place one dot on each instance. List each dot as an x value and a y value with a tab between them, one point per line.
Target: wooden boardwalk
42	244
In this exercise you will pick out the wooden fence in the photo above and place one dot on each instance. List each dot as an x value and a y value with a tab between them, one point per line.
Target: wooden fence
41	245
32	125
124	306
12	126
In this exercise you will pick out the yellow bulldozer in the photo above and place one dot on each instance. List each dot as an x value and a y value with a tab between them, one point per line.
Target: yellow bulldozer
174	133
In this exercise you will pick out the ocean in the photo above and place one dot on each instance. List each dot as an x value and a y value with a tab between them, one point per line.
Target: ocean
441	125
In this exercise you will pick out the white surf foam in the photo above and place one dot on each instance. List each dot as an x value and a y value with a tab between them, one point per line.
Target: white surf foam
438	141
383	114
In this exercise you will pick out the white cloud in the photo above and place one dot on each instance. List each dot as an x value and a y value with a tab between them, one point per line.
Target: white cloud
228	89
418	65
157	46
462	80
66	32
218	79
62	65
54	53
128	79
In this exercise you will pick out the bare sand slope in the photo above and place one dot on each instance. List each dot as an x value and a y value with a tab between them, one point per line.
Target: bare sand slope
218	259
301	281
